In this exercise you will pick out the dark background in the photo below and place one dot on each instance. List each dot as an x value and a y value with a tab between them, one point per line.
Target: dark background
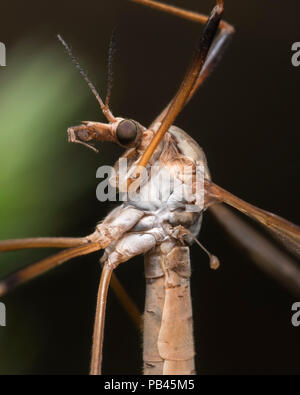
246	119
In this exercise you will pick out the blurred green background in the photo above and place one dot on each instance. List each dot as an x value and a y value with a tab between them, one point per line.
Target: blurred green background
246	119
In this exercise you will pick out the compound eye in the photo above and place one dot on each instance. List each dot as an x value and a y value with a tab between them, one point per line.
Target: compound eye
127	131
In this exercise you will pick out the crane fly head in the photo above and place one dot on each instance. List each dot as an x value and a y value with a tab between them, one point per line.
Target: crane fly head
124	132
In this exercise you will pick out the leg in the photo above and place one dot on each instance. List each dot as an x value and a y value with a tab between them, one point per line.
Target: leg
42	242
121	219
186	89
189	15
105	233
32	271
111	229
214	56
98	335
216	51
126	301
264	253
219	43
287	233
127	247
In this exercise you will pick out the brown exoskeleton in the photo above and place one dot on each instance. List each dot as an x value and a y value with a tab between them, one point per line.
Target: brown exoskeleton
162	228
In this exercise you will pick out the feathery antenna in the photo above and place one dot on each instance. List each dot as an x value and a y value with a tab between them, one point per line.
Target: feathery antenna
110	73
104	107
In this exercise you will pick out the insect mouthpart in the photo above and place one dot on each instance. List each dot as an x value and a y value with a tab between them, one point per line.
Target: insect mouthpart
80	135
84	135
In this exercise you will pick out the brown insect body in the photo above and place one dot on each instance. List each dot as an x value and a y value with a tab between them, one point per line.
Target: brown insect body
168	317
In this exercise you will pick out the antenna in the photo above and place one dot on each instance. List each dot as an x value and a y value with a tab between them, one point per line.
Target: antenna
104	108
110	73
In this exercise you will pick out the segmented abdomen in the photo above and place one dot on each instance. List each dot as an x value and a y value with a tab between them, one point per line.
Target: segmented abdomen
168	320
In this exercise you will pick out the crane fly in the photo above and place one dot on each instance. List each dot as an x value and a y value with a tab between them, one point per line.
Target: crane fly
162	228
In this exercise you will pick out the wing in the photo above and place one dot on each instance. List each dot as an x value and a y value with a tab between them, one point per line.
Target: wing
262	251
285	231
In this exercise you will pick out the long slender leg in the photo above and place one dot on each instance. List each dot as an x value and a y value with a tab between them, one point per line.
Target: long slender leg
61	242
216	51
112	228
128	246
285	231
188	83
42	242
98	336
122	220
182	13
154	305
214	56
261	251
126	301
44	265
